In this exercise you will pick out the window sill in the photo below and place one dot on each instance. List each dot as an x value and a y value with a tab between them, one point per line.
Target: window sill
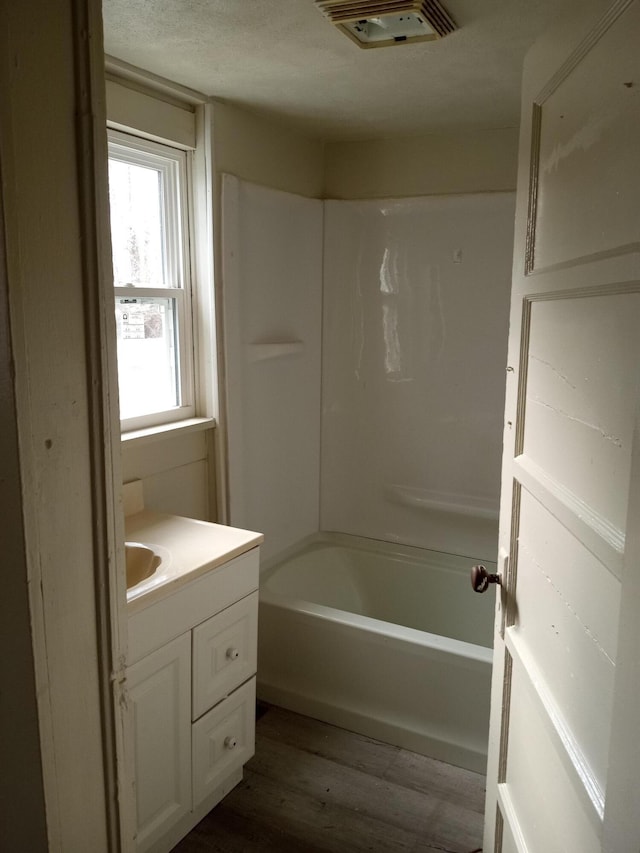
157	433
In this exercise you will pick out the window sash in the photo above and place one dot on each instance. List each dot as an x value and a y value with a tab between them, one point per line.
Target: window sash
174	166
183	355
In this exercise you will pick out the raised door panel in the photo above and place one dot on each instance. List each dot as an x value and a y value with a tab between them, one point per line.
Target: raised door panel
159	690
578	393
588	126
224	653
547	810
509	843
571	634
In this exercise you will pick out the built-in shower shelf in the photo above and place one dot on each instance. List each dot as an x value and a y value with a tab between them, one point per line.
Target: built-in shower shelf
273	349
424	499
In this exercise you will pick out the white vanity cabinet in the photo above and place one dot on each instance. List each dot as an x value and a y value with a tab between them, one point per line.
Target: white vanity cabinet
191	697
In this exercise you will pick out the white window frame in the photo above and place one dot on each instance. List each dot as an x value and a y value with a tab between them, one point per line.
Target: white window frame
175	164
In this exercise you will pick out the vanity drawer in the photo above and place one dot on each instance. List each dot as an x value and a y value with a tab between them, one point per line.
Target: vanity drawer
224	653
189	604
223	740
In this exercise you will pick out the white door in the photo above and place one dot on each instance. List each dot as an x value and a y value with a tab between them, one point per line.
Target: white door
564	759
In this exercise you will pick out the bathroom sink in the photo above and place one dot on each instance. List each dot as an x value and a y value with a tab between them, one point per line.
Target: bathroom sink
141	561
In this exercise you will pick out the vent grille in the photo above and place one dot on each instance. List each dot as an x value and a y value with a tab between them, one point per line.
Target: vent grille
350	12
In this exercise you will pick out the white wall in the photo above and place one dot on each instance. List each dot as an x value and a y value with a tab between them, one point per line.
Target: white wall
272	291
265	152
469	162
416	301
175	471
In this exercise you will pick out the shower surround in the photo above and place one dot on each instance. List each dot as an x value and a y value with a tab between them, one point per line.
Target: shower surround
365	351
416	302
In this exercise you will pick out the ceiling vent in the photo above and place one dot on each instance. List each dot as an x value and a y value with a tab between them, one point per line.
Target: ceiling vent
380	23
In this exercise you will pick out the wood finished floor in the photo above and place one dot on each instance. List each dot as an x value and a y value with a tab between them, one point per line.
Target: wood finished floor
315	788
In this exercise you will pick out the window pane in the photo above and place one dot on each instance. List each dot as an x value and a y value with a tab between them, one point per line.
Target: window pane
135	197
147	355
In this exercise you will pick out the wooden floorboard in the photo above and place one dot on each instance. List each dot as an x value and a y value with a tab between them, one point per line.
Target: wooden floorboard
315	788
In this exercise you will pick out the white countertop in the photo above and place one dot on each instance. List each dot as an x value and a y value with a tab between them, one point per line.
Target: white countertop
188	548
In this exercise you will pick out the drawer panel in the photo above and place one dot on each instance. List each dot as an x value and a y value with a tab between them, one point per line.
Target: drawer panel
224	653
223	740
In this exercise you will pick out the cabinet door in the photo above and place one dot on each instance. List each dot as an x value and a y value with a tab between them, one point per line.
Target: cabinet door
159	688
224	653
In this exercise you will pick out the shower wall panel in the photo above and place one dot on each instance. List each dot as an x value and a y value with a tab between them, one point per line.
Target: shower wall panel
272	304
416	303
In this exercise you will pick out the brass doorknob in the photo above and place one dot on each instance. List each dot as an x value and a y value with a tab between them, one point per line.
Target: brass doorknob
480	579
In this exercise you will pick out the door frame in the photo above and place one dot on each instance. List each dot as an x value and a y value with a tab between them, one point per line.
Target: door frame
59	284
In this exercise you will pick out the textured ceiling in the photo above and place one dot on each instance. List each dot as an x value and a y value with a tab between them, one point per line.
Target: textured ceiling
283	58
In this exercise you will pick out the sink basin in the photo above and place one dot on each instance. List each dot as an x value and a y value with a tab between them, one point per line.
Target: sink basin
141	561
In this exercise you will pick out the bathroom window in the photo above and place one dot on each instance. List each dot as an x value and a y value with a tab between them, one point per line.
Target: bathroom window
148	197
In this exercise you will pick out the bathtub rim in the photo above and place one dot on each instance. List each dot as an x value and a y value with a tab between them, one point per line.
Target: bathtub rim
399	633
365	543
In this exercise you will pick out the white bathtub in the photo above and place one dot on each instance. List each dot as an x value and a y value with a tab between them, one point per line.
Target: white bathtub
385	640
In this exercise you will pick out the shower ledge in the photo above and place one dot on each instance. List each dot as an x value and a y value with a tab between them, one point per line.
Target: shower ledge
273	349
